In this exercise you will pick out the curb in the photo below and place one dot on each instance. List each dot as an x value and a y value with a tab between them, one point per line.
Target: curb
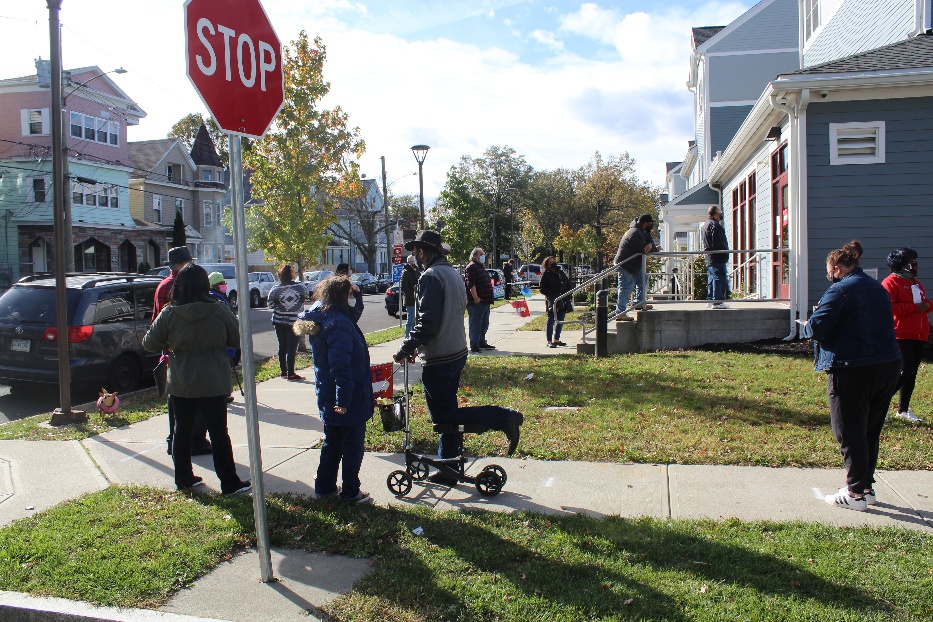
18	607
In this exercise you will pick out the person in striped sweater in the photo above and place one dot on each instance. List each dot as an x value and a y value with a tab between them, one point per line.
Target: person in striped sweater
287	300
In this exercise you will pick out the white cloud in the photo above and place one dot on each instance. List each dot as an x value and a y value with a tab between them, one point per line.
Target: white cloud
546	38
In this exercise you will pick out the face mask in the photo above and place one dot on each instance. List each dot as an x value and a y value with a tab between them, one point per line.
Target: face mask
831	276
481	259
912	269
223	288
351	301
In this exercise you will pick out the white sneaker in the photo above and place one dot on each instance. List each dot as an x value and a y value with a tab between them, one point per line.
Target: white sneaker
909	417
870	497
846	501
720	305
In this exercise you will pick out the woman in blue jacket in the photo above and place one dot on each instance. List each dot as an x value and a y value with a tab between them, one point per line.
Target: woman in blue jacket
856	347
343	382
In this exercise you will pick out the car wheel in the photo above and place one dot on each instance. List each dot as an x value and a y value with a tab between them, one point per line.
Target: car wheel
124	375
254	298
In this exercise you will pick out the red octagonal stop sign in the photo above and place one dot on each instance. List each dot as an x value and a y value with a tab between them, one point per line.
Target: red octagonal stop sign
235	63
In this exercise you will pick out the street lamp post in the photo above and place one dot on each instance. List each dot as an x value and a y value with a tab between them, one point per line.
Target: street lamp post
420	152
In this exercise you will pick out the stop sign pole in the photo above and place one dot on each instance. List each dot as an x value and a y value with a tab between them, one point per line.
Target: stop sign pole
234	61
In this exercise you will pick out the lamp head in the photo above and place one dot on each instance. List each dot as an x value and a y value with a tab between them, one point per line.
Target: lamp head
420	152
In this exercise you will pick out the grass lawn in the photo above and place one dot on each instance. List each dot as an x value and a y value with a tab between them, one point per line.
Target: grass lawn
132	546
669	407
540	322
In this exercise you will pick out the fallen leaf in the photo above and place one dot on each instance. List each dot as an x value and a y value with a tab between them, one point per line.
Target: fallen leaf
628	601
703	589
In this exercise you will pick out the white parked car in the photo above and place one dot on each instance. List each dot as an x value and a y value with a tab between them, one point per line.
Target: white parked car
311	279
260	284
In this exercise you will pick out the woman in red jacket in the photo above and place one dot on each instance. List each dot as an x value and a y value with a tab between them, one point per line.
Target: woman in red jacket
910	306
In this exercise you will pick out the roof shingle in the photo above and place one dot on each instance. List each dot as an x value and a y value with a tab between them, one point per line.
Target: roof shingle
913	53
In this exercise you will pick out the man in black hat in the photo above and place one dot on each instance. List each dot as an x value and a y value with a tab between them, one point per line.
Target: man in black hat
178	258
439	338
636	240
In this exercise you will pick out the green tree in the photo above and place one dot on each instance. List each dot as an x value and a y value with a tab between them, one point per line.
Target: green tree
187	128
300	169
464	216
179	238
497	180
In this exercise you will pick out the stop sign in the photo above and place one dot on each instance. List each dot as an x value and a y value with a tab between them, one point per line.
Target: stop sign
234	61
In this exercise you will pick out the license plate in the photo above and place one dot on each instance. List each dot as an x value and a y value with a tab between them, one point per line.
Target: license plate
20	345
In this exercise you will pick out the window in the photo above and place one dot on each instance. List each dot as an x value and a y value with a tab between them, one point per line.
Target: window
180	205
207	214
173	173
103	197
157	208
35	122
208	175
217	221
811	17
114	306
86	127
38	189
114	196
856	143
145	297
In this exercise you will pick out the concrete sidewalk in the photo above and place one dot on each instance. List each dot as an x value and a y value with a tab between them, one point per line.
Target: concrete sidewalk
32	473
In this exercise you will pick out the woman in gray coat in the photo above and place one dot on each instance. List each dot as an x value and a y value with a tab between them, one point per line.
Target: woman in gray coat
198	329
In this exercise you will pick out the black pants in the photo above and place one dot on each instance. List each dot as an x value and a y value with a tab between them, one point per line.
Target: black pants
859	398
200	428
508	291
214	411
288	344
911	354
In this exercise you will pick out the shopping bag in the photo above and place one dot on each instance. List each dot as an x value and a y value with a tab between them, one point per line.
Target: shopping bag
392	413
526	292
521	308
160	373
382	380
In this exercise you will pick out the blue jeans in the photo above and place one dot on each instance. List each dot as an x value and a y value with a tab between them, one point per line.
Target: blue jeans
341	442
628	282
479	323
440	394
551	328
411	319
716	281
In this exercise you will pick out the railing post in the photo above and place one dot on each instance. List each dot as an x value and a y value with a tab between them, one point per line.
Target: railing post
602	322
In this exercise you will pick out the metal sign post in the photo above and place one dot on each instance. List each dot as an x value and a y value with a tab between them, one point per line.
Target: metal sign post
249	365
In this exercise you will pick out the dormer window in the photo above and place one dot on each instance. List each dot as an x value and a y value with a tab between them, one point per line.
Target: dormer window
173	174
207	175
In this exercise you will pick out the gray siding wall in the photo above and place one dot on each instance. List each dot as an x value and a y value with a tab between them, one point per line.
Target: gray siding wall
775	27
744	77
724	123
884	206
860	25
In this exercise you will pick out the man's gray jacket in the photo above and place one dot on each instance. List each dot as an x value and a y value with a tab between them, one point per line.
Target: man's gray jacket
438	334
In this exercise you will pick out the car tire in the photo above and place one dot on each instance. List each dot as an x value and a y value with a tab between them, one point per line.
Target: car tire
254	298
123	376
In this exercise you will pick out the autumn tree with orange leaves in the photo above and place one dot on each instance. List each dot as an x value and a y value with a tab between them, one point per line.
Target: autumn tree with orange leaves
303	166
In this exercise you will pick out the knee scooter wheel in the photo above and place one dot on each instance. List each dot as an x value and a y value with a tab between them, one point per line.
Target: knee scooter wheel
488	483
498	470
399	483
418	470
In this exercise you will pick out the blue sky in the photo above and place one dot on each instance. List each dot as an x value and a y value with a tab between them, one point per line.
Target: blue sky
555	80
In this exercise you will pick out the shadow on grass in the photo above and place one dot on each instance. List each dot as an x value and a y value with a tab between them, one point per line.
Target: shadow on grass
526	566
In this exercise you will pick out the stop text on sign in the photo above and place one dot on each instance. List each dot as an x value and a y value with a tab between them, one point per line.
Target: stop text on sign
250	61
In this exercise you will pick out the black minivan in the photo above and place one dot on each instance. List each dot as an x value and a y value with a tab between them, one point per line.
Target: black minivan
108	315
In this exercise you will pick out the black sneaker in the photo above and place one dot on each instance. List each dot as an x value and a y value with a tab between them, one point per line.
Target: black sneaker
475	350
197	481
486	346
242	488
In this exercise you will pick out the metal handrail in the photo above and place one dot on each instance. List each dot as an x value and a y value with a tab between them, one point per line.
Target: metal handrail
643	258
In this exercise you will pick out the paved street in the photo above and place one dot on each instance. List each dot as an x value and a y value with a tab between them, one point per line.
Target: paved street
44	399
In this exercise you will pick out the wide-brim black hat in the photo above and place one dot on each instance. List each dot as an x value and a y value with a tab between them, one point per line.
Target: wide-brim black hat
429	239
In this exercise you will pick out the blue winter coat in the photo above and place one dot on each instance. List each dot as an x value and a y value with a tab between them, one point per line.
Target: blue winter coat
342	374
852	324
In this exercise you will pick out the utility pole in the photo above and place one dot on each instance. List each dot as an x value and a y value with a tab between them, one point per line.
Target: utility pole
63	414
385	209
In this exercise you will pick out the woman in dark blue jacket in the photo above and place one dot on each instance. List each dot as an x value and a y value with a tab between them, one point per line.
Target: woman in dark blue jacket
856	347
343	382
